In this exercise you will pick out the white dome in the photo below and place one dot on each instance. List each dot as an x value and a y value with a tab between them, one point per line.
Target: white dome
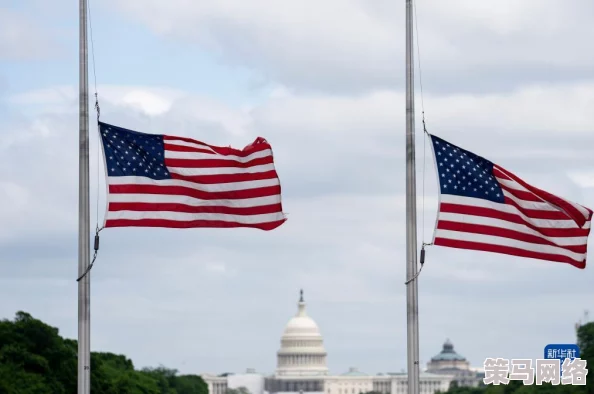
301	325
302	349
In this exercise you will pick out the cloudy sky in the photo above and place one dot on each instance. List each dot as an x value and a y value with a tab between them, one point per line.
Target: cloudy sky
323	82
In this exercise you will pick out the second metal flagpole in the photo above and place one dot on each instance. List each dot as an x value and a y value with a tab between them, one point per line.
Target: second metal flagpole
412	313
84	251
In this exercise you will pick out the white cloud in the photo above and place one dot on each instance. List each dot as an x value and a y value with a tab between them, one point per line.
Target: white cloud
583	178
219	268
356	44
21	38
15	200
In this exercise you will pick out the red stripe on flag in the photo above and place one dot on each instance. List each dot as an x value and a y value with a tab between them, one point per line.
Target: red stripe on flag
267	226
505	233
186	191
521	194
537	213
485	247
216	163
176	207
226	178
513	218
258	145
205	149
568	208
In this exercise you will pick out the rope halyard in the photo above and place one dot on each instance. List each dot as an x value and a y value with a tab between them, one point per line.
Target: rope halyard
98	110
425	134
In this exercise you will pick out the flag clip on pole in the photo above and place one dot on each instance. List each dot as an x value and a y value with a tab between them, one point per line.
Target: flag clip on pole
96	250
421	261
84	291
411	216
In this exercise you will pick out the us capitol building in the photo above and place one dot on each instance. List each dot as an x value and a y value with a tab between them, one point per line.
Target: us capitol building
301	368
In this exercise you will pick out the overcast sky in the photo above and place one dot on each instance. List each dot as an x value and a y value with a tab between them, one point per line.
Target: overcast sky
323	82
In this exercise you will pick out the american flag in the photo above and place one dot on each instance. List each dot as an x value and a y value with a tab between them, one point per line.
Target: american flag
487	208
176	182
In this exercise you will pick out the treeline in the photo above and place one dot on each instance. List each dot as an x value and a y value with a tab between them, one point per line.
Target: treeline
585	341
35	359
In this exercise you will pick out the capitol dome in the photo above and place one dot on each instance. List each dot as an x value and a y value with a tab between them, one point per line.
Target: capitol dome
302	349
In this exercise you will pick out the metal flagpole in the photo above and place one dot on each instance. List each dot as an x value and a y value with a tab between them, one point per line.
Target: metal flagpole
84	296
412	314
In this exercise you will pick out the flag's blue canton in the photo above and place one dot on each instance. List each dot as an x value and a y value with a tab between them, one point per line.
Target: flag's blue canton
463	173
130	153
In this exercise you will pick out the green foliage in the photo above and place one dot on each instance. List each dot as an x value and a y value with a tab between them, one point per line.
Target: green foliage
585	341
34	359
454	389
239	390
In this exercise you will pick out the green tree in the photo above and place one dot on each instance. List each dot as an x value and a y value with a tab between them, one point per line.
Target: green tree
35	359
239	390
190	384
585	341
